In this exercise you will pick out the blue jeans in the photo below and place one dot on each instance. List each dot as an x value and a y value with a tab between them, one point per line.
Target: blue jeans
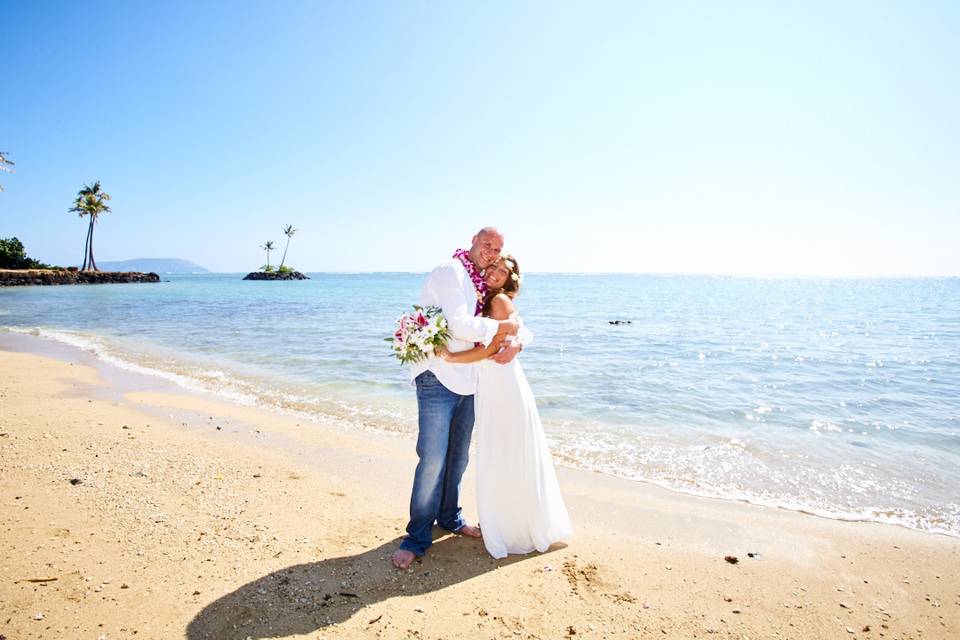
443	446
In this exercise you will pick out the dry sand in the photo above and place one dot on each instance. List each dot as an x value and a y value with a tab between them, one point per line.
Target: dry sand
132	509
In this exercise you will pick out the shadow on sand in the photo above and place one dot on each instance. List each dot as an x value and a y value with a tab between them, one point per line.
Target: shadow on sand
303	598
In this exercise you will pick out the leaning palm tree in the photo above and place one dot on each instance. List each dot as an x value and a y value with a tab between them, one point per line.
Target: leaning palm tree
91	201
269	247
287	231
5	164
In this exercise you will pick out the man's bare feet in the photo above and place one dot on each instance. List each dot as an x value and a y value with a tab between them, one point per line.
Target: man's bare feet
471	531
402	559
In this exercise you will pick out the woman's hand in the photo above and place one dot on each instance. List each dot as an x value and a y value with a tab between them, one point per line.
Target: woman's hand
441	352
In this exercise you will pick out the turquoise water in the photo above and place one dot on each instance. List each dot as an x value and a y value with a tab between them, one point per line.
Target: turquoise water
835	397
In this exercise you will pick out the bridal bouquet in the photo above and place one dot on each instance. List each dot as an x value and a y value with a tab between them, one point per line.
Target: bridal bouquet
419	333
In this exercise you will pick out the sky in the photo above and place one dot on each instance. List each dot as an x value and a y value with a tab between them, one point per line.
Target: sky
755	138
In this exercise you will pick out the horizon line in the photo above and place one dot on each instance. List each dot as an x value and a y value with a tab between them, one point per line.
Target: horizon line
626	273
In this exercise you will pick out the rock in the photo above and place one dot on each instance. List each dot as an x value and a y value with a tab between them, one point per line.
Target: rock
731	559
29	277
273	275
76	481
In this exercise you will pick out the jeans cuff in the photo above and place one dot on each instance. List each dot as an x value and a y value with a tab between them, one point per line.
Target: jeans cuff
456	528
412	547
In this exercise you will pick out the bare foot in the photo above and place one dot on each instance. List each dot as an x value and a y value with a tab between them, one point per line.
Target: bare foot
402	559
471	531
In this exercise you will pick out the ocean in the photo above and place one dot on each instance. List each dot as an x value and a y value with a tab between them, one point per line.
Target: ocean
836	397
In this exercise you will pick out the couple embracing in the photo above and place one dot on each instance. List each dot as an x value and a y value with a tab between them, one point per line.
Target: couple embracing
478	379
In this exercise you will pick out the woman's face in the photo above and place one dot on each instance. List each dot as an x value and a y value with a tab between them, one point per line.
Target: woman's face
496	274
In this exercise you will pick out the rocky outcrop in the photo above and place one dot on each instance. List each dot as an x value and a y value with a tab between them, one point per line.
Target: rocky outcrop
25	277
274	275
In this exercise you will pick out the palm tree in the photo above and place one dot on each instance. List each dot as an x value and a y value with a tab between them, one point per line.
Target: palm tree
91	201
269	247
5	164
287	231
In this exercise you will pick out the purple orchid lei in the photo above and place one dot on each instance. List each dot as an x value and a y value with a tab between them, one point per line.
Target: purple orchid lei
475	276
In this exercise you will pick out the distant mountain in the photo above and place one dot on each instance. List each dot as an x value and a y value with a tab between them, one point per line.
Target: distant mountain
156	265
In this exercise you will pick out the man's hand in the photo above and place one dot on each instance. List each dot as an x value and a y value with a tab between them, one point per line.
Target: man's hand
507	353
510	326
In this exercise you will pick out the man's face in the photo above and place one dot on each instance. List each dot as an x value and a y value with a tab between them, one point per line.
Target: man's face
486	248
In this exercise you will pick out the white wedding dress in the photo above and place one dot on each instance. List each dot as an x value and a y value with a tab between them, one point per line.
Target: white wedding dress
518	498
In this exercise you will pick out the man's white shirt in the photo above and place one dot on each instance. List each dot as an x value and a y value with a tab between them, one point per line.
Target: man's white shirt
450	288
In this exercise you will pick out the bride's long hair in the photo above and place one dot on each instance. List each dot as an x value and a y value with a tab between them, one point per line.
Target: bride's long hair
511	288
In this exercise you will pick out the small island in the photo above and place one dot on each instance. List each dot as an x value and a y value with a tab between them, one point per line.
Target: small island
275	275
284	271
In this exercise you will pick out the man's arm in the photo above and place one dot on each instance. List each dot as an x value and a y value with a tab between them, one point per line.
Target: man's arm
511	348
524	335
501	309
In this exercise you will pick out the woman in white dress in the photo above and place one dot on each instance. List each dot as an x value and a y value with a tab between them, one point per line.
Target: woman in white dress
518	497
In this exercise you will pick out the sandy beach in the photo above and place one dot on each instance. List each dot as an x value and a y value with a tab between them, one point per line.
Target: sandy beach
136	509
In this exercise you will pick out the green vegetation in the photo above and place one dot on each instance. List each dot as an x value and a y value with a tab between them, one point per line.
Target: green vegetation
14	256
91	201
5	164
287	231
268	246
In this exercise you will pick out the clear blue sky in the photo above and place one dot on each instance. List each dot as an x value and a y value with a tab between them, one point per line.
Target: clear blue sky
700	137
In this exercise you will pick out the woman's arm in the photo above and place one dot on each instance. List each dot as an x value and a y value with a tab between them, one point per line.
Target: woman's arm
501	308
476	354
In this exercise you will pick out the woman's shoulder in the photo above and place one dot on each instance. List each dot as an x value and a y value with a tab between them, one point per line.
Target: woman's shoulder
501	304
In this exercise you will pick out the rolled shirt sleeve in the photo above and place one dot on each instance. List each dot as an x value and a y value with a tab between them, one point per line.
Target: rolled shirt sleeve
458	309
524	336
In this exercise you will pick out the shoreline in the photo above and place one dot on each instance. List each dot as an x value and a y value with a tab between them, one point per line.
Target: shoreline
282	519
107	359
